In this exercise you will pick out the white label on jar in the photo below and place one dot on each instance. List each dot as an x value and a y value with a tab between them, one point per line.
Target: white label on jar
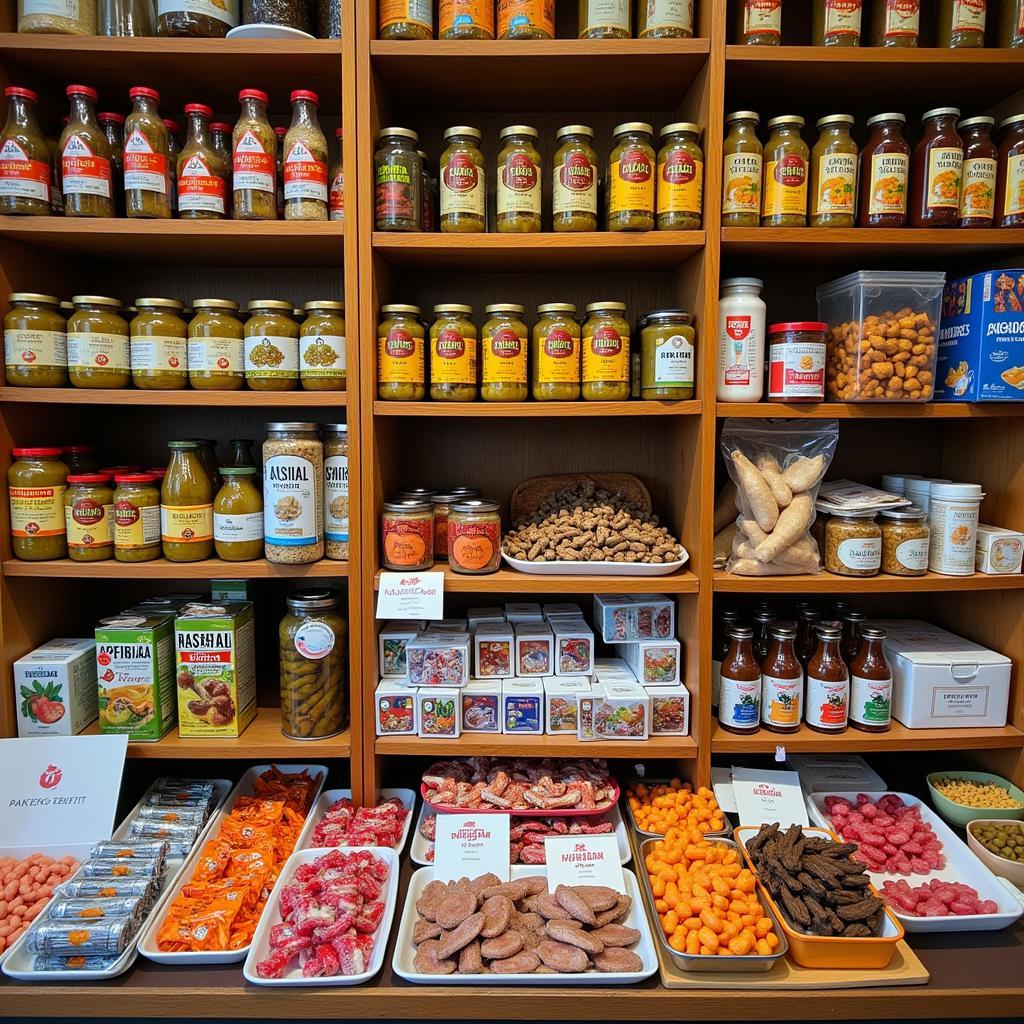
902	18
716	682
305	177
870	700
954	527
290	513
94	350
780	700
797	370
837	184
35	348
336	498
461	188
159	352
145	170
222	10
861	553
889	173
199	188
216	355
762	17
323	355
669	14
232	529
608	14
82	172
518	186
252	165
741	189
969	14
314	640
738	345
21	177
739	702
574	185
842	18
270	355
913	554
55	8
673	362
827	702
960	702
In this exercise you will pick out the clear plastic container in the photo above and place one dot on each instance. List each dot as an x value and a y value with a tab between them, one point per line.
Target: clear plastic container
881	340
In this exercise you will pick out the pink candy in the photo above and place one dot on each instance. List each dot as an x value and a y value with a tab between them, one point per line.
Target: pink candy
936	899
343	824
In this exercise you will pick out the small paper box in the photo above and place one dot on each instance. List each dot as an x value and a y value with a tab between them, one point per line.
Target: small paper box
391	643
448	626
440	712
613	670
438	659
535	645
493	650
561	710
670	710
621	712
522	704
653	662
574	648
563	608
481	706
624	618
998	551
61	673
476	617
395	709
527	611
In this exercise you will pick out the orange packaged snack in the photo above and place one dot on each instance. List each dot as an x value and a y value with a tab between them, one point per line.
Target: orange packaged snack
658	808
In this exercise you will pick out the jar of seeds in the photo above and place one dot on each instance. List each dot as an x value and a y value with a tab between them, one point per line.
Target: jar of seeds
293	504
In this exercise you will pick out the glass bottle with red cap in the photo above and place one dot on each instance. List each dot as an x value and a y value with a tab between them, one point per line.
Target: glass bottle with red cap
85	159
253	159
147	185
280	131
25	169
336	200
305	161
173	152
202	170
113	128
36	482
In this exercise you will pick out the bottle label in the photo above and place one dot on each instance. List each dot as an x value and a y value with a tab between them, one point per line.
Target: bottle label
913	554
680	183
574	185
863	553
322	355
135	526
452	358
81	171
737	351
413	12
632	182
969	15
741	192
221	10
290	513
37	511
336	498
394	192
200	189
945	165
519	186
456	15
978	196
234	529
400	357
252	165
88	524
336	200
92	350
827	702
22	177
785	186
216	355
954	532
739	702
606	356
305	177
780	700
186	524
837	183
558	357
56	8
902	18
35	348
462	187
271	356
603	14
673	362
889	172
144	169
762	17
519	15
504	357
870	700
797	370
1014	197
159	352
842	18
662	14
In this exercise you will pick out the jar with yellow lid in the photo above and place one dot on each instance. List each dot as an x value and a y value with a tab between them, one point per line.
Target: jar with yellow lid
743	156
186	505
36	482
605	19
322	358
35	342
80	458
401	360
667	355
555	353
463	189
159	346
453	354
630	179
98	349
657	19
136	517
574	180
271	346
216	358
784	202
474	537
504	357
680	187
89	517
238	515
518	180
606	353
833	173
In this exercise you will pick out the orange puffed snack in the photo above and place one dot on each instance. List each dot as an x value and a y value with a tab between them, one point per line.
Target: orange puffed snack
705	899
660	807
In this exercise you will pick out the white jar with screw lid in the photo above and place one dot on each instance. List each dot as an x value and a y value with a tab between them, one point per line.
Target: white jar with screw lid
896	483
953	520
741	331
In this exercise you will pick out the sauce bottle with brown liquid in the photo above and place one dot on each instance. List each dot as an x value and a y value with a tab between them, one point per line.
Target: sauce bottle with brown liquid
727	619
739	702
937	171
807	636
871	684
850	644
828	683
981	159
884	173
782	682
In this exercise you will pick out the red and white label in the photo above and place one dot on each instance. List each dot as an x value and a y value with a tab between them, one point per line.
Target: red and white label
305	177
797	370
200	189
144	169
336	202
253	166
842	18
82	172
22	177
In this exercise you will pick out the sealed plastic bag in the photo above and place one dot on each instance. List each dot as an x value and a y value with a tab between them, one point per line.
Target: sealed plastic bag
776	467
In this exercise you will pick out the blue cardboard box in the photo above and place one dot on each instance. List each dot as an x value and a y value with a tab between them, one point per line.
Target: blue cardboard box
981	339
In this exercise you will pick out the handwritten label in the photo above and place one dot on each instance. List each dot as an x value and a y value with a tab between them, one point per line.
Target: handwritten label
768	796
411	595
584	860
468	845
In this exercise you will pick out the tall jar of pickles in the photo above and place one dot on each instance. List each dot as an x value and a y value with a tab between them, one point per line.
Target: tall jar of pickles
89	516
519	180
784	202
271	346
555	354
322	363
574	180
630	180
606	353
401	360
216	358
186	505
158	345
833	174
504	361
680	187
36	483
453	354
136	517
35	342
742	160
463	192
98	349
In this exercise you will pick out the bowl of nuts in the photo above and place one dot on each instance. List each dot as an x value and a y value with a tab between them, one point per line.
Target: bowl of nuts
963	797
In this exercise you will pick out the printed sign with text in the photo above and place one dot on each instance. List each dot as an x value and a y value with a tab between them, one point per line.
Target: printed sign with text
468	845
584	860
411	595
769	796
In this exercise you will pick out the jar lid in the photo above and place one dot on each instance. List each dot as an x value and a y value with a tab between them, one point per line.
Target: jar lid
220	126
829	630
77	449
109	115
606	307
743	282
969	122
183	446
786	120
144	90
270	304
339	133
680	126
469	492
159	472
743	115
39	453
402	133
453	307
400	308
88	478
199	108
670	316
469	505
798	325
422	155
408	505
50	300
764	615
783	631
253	94
557	307
455	494
859	513
853	616
215	304
463	129
504	307
1012	119
632	126
847	119
904	512
419	493
81	90
519	129
335	428
966	492
324	304
292	425
95	300
574	129
25	94
161	303
134	478
237	470
741	632
940	112
309	600
873	633
891	116
280	131
305	94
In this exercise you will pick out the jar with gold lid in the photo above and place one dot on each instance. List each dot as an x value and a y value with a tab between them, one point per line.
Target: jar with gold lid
322	355
89	517
216	352
667	342
606	360
98	347
35	342
474	537
504	357
271	346
680	188
453	354
442	502
401	361
159	346
136	517
574	180
630	178
555	354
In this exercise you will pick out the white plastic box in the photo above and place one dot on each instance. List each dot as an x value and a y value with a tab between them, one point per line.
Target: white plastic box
613	670
55	690
439	710
448	626
391	642
622	618
574	647
481	706
615	711
522	706
438	659
493	650
998	551
561	708
534	653
524	611
653	662
670	710
396	711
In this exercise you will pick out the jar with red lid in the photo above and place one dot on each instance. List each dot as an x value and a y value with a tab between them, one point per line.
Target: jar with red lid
89	517
407	535
796	361
474	537
36	482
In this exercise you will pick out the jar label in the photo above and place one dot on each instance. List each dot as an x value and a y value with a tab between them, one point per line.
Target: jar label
574	185
458	15
827	702
606	357
902	18
741	191
314	640
837	183
504	357
234	529
474	546
216	355
55	8
842	18
1014	196
413	12
305	177
400	357
680	183
290	501
35	348
978	196
519	186
199	188
631	185
186	524
336	498
888	194
558	357
737	351
221	10
954	532
663	14
605	14
271	356
144	169
785	186
408	542
797	370
969	15
37	511
673	362
452	358
739	702
321	355
462	187
252	165
136	526
870	700
945	165
862	553
519	15
160	352
22	177
780	700
336	200
762	17
88	524
94	350
394	193
81	171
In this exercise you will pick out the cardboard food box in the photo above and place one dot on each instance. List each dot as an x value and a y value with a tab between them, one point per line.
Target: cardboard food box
438	659
55	688
391	642
481	706
476	617
523	611
135	675
562	609
395	709
493	650
998	551
653	662
522	706
621	618
215	668
615	711
535	645
561	708
670	710
439	712
574	647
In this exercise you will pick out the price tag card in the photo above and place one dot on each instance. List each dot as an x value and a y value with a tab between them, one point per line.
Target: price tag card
763	797
721	783
584	860
468	845
410	595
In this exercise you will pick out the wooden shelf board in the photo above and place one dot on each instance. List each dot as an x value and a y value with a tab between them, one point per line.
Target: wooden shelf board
162	569
871	410
531	75
829	583
188	397
512	582
474	744
516	410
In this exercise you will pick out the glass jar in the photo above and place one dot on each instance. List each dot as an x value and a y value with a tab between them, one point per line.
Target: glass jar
220	135
871	684
202	171
241	452
518	180
293	500
304	161
884	173
147	187
173	152
407	535
113	128
322	362
196	21
80	458
1010	184
834	174
136	517
981	162
158	345
26	172
784	203
1011	26
665	19
253	160
216	353
905	541
59	19
759	22
442	502
680	187
313	641
36	483
186	505
336	507
504	358
35	342
630	178
208	457
398	177
98	348
896	23
474	537
463	191
336	202
279	133
453	354
406	19
937	171
962	23
574	180
465	19
401	360
271	346
526	19
89	517
290	14
555	354
604	19
667	371
238	515
853	544
837	22
849	645
741	172
606	353
85	159
429	192
796	361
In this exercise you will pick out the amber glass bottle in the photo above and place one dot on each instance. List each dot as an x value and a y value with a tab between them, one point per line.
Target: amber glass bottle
871	684
782	682
739	701
828	683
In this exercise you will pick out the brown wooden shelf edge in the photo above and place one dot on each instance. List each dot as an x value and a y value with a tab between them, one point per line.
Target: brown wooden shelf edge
162	569
132	396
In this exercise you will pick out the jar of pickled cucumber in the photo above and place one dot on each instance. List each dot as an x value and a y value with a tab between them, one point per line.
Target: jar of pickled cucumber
271	346
463	191
36	482
398	181
667	355
504	359
555	354
630	178
98	348
574	180
238	515
453	354
786	155
80	458
136	517
89	517
518	180
186	505
401	360
680	177
35	342
606	353
216	356
159	346
322	359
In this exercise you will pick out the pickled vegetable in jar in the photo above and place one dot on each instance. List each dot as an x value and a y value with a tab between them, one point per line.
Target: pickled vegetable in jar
401	360
406	19
196	19
937	171
896	23
574	180
68	17
136	517
555	354
1010	181
322	346
667	342
407	535
784	203
981	161
35	342
474	537
202	171
518	180
504	357
465	19
398	181
216	352
759	22
159	349
463	191
630	179
147	186
884	173
85	159
253	160
833	174
305	161
238	515
604	19
80	458
336	493
741	172
336	200
453	354
36	482
606	353
98	347
186	505
962	23
664	19
89	517
271	346
680	186
526	19
26	170
837	22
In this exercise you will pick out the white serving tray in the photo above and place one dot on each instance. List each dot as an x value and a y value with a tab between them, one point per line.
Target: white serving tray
421	845
260	948
961	866
262	30
147	938
20	964
405	951
597	568
331	796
